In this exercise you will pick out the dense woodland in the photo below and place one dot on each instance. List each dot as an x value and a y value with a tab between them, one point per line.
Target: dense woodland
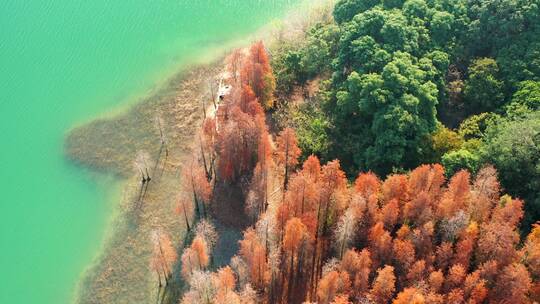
411	176
405	83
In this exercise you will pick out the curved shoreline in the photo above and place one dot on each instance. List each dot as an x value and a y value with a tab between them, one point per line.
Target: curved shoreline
120	271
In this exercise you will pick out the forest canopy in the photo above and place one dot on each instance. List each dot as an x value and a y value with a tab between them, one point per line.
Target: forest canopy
414	82
421	236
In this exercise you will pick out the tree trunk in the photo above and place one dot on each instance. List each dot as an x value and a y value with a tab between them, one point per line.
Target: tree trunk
185	215
196	205
291	277
314	259
208	176
286	180
159	278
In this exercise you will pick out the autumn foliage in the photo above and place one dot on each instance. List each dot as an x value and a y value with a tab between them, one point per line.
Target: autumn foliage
241	131
413	237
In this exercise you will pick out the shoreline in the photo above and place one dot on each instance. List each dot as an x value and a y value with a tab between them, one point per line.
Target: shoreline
103	145
108	144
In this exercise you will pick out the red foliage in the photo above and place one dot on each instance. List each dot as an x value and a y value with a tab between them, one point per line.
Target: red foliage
432	241
456	196
254	254
367	184
383	287
331	285
257	73
395	187
287	152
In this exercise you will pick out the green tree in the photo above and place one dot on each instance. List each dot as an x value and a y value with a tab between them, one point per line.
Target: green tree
345	10
474	127
415	8
513	146
442	26
510	32
296	64
387	114
461	159
440	142
525	100
483	89
320	49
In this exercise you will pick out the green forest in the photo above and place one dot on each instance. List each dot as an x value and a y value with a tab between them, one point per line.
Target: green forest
404	83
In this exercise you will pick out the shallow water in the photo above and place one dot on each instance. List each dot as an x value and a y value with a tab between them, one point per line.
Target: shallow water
61	63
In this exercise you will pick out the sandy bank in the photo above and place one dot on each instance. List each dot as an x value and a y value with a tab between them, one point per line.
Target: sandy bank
121	272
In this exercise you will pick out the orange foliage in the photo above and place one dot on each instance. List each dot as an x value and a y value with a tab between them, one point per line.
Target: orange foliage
163	255
257	73
443	255
237	145
383	287
331	285
395	187
254	254
367	184
531	252
513	285
341	299
389	214
465	245
427	179
287	151
403	254
509	211
312	168
456	196
380	243
410	296
436	280
497	242
417	272
200	247
294	235
474	288
432	241
358	266
455	277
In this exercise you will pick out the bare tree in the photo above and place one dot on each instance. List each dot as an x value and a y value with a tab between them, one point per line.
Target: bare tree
141	165
344	232
212	86
163	256
160	126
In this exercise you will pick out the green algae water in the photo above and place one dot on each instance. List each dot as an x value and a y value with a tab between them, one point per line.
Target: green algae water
63	62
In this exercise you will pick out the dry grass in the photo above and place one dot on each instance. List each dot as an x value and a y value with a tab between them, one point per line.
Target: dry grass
121	273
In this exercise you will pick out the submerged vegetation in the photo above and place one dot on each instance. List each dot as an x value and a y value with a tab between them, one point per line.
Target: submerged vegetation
389	155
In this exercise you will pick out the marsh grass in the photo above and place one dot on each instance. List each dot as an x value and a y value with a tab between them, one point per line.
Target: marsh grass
121	273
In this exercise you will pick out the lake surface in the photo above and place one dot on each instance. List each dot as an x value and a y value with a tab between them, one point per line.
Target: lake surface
63	62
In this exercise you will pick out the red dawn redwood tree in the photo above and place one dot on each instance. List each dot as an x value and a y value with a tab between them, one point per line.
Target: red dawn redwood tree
287	152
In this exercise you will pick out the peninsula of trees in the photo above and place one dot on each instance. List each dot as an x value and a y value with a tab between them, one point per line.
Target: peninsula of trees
411	175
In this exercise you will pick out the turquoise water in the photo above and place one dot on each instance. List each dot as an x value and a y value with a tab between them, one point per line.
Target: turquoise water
61	63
